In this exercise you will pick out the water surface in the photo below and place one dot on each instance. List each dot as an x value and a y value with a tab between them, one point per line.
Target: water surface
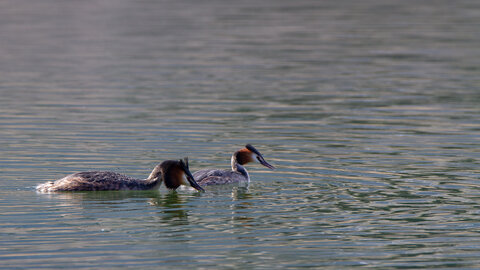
369	110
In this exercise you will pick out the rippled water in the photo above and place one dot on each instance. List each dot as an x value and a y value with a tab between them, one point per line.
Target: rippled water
369	110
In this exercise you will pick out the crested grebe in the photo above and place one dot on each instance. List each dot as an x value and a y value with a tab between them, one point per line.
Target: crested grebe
238	173
172	172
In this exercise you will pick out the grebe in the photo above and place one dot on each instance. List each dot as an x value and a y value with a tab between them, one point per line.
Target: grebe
238	173
172	172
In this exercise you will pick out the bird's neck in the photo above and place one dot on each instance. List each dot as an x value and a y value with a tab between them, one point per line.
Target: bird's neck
153	182
155	178
236	167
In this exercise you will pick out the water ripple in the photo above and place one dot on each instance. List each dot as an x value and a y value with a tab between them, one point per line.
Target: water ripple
369	112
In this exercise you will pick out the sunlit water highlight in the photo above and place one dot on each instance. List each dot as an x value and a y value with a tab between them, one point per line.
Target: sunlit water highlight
369	110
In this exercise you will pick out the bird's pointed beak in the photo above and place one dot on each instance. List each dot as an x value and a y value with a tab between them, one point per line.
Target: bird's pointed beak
189	176
260	158
192	181
265	163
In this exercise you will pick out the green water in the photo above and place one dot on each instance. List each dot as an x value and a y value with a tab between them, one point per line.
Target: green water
369	110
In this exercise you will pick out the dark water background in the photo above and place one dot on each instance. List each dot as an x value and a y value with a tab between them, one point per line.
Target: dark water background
369	109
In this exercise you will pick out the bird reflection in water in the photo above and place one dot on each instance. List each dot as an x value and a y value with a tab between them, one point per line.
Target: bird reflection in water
241	206
172	206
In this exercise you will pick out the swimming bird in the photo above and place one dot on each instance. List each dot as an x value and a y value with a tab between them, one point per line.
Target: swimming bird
238	173
172	172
